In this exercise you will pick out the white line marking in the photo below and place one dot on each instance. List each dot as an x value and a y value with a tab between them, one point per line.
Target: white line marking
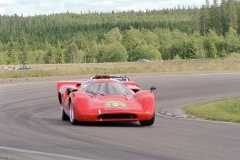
40	153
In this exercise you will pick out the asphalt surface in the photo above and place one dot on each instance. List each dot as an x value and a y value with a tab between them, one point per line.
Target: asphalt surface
31	125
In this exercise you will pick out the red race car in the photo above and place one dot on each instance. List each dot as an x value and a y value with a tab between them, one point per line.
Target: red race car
104	100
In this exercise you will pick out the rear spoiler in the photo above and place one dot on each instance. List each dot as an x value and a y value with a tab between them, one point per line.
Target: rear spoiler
71	84
105	76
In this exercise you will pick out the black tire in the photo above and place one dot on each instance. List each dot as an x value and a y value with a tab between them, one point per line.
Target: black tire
149	122
71	115
64	115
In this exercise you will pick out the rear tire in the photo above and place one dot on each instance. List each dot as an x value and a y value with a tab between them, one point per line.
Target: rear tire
149	122
64	115
71	115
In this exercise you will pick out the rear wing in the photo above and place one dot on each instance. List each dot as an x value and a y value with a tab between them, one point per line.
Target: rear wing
69	84
120	78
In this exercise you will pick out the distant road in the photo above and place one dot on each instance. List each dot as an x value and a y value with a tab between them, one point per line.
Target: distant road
31	127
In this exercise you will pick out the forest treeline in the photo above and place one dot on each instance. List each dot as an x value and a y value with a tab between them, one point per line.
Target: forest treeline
211	31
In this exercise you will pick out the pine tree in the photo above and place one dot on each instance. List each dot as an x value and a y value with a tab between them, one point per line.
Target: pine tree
59	53
238	18
224	18
210	47
49	57
94	51
72	52
183	50
1	46
23	56
205	18
213	50
232	14
232	41
191	51
195	19
215	15
12	58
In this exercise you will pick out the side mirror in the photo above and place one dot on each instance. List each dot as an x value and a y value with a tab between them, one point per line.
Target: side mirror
153	88
69	90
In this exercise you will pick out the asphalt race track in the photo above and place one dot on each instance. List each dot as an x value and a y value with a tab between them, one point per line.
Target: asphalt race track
31	125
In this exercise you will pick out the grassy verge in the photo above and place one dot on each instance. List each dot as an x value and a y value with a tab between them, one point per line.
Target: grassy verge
44	70
221	110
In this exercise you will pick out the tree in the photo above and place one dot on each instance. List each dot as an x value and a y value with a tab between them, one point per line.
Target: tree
232	41
93	51
198	41
222	54
188	50
1	46
205	18
219	41
232	14
213	50
59	53
238	17
165	42
113	52
215	16
23	56
1	58
150	38
191	51
210	48
49	57
39	58
132	38
79	40
80	56
71	53
145	52
183	50
12	58
177	39
224	17
112	36
195	19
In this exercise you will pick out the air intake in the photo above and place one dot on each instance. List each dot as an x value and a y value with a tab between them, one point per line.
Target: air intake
117	116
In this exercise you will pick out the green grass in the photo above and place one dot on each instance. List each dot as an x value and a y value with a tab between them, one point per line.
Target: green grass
221	110
44	70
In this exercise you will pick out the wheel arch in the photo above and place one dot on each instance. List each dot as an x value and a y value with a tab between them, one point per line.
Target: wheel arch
60	98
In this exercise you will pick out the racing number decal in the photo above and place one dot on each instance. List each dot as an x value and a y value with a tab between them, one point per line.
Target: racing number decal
115	105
